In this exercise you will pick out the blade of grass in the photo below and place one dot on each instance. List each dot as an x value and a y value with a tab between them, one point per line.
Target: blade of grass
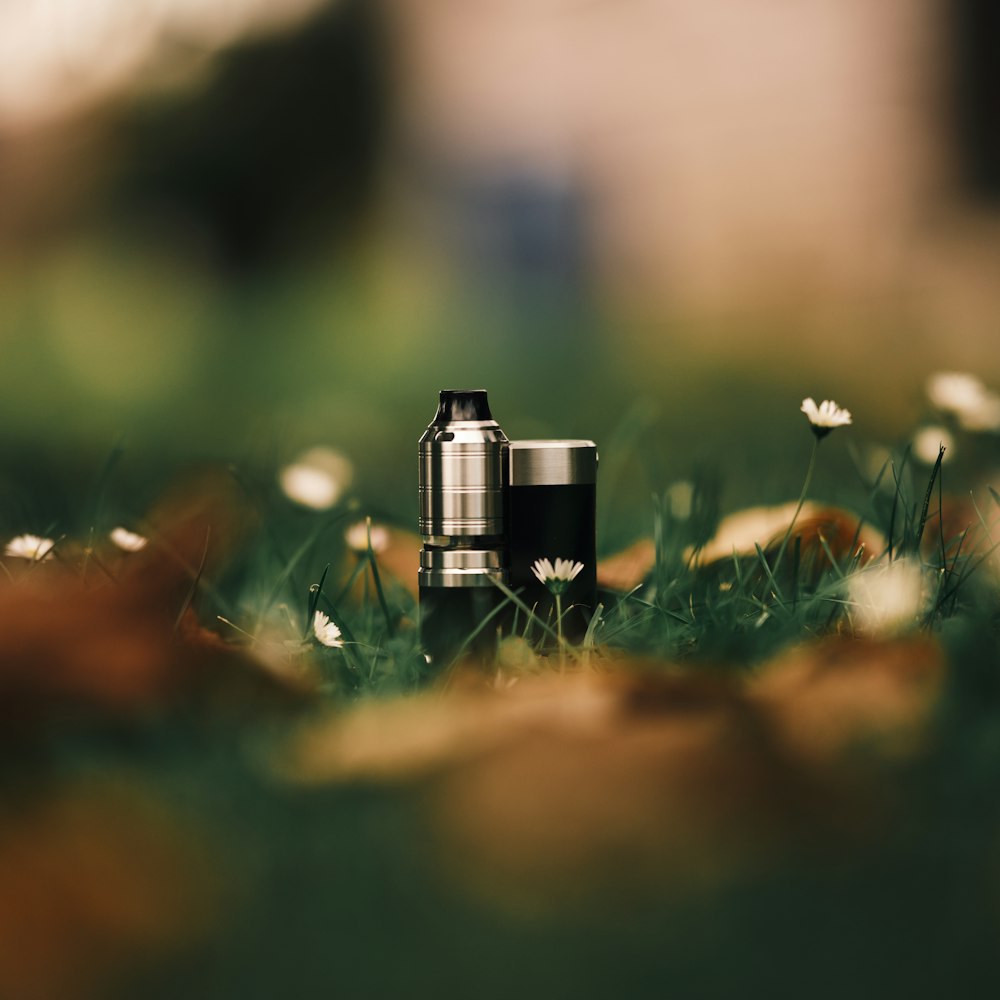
511	596
944	553
378	583
193	589
100	486
470	638
830	555
776	590
954	565
988	531
314	591
289	568
928	493
595	621
206	585
796	565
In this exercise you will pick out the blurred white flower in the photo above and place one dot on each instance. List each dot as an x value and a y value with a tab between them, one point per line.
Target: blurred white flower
926	442
679	497
317	478
985	416
967	398
558	577
955	392
325	631
826	416
887	598
356	537
127	541
30	547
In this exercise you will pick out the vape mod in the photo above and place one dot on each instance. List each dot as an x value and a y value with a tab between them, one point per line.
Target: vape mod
463	471
553	514
489	510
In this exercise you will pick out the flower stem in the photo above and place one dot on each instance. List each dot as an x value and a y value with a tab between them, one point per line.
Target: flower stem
798	509
559	632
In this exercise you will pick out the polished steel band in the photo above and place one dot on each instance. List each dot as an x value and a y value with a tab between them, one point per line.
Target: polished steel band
553	463
464	466
461	567
460	514
462	481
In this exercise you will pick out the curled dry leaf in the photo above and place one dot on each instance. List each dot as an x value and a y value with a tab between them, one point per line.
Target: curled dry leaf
665	782
72	643
628	568
415	736
828	697
739	534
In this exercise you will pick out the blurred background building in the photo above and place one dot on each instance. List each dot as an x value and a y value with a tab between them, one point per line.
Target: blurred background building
238	227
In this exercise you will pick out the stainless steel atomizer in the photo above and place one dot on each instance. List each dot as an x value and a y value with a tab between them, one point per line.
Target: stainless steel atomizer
463	477
489	509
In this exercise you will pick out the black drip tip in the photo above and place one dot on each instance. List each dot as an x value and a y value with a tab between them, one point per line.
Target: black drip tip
463	404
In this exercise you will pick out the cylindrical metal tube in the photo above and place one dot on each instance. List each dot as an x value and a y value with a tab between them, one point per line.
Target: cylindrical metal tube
463	474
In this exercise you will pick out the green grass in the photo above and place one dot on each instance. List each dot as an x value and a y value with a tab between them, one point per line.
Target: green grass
734	611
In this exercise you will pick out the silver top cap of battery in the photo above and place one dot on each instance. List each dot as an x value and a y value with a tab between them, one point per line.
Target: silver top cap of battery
553	463
462	469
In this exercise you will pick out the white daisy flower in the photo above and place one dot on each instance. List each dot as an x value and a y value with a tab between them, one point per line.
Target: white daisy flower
30	547
356	537
317	478
886	599
326	632
127	541
558	577
928	440
826	416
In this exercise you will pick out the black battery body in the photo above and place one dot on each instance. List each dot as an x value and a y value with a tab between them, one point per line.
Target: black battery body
452	623
552	514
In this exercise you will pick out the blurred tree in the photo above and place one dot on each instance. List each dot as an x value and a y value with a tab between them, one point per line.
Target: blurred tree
277	152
